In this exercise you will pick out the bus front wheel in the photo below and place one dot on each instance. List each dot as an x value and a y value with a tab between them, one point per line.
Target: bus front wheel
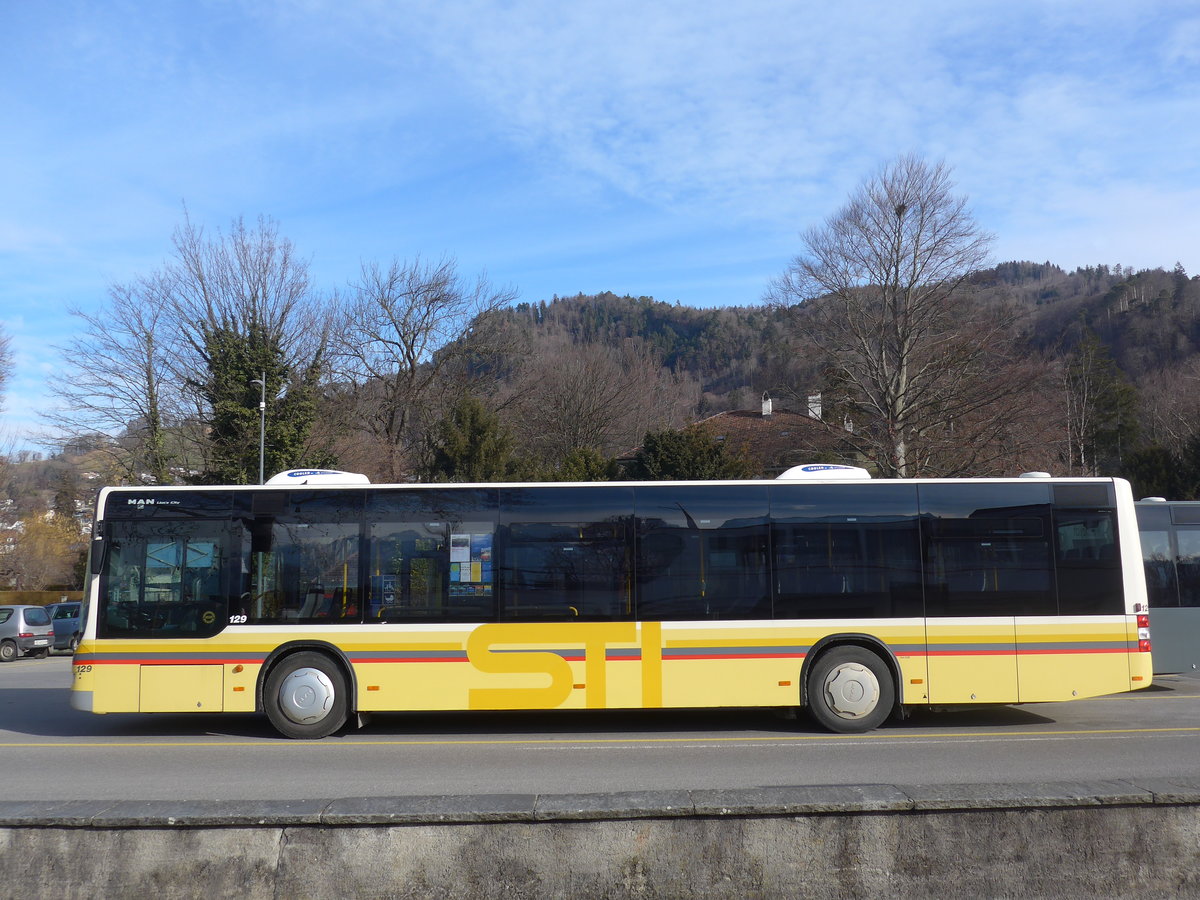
305	696
850	690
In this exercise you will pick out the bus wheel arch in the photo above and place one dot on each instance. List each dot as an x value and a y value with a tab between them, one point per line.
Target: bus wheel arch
307	690
850	683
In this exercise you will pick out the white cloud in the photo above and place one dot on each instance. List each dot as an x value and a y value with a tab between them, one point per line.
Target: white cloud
553	143
758	111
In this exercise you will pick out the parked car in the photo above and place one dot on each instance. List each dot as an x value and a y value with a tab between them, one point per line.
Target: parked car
24	631
65	619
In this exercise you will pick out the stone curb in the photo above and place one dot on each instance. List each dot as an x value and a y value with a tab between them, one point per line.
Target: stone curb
798	800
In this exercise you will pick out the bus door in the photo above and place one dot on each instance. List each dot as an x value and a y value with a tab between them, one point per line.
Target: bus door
972	655
988	561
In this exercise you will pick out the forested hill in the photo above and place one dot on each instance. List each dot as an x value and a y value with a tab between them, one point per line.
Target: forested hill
601	371
1148	319
724	349
427	377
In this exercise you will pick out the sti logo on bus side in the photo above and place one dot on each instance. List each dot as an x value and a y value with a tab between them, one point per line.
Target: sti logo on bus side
503	648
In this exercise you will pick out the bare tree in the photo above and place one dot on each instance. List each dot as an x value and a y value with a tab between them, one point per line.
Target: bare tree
407	328
249	280
6	364
117	381
1170	405
246	309
593	396
881	292
1100	406
44	551
6	439
166	368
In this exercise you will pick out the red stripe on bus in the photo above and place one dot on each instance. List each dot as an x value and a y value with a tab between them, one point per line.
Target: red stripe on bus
171	662
1022	651
419	659
1018	652
675	656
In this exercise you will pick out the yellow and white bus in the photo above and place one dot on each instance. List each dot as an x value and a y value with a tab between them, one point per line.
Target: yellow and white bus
319	597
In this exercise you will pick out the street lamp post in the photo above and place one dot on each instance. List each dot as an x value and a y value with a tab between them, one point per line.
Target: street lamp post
262	425
260	591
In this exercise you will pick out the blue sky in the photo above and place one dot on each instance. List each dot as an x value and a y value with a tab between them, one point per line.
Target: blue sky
671	149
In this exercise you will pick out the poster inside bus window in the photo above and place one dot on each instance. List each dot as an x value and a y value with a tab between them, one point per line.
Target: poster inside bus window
471	564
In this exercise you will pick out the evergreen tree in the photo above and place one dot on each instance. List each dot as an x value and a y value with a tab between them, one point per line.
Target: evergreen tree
234	362
66	491
1180	282
688	455
470	445
1157	472
587	464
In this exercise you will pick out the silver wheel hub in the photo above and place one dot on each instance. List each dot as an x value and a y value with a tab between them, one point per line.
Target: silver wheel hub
306	696
851	690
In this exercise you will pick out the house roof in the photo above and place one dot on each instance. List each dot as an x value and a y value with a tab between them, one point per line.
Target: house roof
777	441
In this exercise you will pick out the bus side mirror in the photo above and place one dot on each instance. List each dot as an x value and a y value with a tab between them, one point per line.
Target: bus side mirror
97	556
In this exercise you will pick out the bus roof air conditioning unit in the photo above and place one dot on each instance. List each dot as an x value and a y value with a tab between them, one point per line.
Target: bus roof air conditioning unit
824	472
318	476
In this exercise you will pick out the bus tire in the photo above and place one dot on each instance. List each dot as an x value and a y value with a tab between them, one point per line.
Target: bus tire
305	696
8	651
850	690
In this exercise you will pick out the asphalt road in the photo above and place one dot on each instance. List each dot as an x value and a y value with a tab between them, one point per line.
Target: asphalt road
50	751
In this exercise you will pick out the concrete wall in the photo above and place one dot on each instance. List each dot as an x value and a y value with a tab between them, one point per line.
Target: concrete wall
1049	840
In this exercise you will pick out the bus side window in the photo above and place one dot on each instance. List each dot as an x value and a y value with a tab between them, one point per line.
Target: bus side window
304	557
565	553
703	553
1188	564
431	555
1159	563
1087	562
842	551
988	550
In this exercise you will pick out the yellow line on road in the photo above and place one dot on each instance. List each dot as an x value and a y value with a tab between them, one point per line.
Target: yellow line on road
443	742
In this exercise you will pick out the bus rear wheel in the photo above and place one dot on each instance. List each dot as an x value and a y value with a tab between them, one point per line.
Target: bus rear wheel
850	690
305	696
